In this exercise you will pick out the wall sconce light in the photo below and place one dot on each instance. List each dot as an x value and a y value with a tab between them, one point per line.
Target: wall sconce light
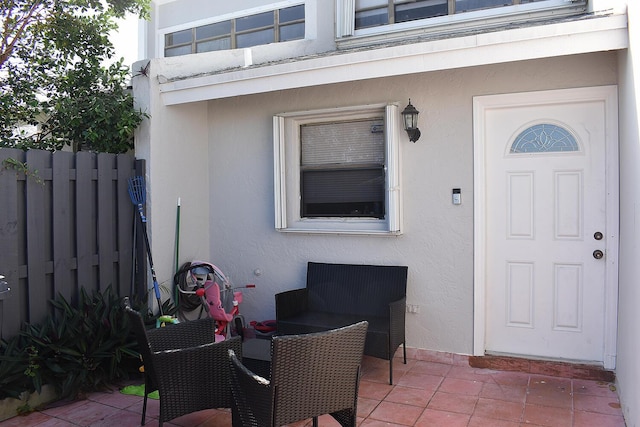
410	120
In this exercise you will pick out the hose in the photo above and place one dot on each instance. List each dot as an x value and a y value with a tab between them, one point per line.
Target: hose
186	302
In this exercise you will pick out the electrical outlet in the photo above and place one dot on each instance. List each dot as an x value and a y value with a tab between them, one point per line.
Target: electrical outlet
413	308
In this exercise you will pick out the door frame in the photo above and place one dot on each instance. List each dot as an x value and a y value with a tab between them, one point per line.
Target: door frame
481	104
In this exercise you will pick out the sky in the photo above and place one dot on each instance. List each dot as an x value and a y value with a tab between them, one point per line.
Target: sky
125	40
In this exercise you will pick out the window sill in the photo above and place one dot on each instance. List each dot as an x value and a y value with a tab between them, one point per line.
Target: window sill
341	226
341	232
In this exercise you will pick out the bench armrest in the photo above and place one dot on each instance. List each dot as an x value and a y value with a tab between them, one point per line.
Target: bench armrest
290	303
397	311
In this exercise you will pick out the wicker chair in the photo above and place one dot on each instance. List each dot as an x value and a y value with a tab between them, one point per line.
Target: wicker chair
185	364
311	375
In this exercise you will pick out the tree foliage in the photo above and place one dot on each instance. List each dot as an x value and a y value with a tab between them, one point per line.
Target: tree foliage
55	88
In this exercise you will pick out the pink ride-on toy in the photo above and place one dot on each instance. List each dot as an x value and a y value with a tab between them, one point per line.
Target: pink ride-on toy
204	286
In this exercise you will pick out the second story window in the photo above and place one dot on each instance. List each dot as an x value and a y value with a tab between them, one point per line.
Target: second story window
371	13
268	27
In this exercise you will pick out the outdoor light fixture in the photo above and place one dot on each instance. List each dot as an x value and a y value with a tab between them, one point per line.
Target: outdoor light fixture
410	120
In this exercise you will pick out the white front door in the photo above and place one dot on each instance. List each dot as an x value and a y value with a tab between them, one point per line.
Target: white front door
549	223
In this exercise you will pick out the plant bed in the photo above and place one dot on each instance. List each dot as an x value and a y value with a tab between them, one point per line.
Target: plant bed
28	402
78	349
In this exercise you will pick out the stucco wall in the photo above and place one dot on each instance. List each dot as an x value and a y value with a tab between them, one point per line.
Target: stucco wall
175	143
628	362
437	243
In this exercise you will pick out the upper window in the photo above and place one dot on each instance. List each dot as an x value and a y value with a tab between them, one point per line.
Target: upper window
371	13
268	27
359	22
337	170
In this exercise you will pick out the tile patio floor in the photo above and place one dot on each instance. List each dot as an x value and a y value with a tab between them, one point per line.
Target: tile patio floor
431	390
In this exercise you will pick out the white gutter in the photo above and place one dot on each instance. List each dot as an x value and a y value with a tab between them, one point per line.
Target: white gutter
519	44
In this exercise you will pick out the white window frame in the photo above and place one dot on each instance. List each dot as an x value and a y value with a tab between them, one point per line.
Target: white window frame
348	36
286	145
309	31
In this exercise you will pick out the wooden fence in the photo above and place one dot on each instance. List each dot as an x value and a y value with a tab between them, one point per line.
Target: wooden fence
66	221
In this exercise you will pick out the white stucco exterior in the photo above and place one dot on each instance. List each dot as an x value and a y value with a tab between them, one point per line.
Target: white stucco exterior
209	141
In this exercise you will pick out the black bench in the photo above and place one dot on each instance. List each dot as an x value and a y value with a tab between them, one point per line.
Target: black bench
342	294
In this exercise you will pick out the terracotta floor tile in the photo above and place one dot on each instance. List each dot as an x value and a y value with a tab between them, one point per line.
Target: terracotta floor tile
29	420
411	353
409	396
549	383
434	418
366	406
120	418
55	422
377	423
374	362
90	412
472	374
374	390
594	388
396	413
431	368
323	421
115	399
455	385
61	407
602	405
422	381
434	356
550	397
499	410
477	421
511	378
458	403
504	392
153	408
547	416
381	375
592	419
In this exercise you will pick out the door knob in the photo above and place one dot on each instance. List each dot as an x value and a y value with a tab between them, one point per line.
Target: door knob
598	254
597	235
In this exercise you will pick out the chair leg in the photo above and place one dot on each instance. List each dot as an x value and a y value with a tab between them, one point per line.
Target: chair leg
404	351
144	407
315	421
391	371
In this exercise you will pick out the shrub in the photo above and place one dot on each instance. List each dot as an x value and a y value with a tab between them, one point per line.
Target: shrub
76	349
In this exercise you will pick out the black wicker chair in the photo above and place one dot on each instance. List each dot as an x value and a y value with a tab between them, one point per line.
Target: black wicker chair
185	364
342	294
311	375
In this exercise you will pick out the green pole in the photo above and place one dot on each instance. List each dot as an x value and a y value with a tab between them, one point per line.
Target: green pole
177	251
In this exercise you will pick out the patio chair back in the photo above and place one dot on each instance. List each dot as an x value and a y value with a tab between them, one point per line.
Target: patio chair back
311	375
185	364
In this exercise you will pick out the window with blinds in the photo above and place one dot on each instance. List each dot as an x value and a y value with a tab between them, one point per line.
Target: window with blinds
342	169
337	170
